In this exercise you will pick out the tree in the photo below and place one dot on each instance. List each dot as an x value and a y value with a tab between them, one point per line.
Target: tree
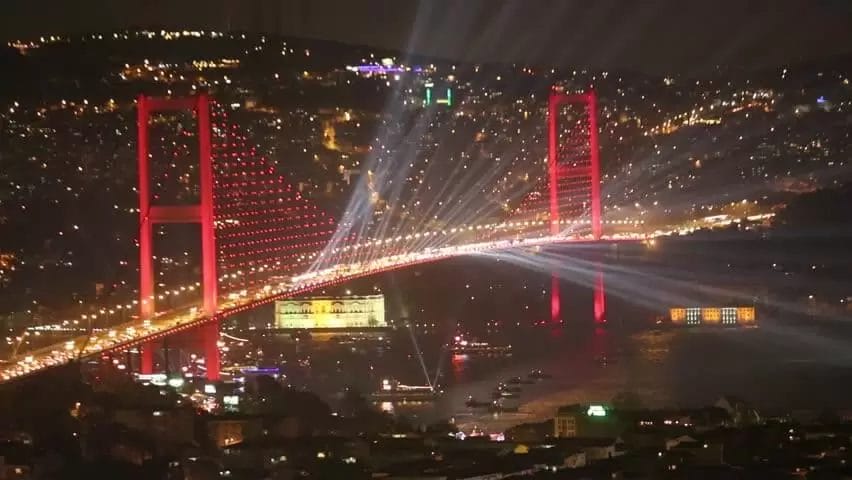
530	432
826	208
269	397
353	403
442	428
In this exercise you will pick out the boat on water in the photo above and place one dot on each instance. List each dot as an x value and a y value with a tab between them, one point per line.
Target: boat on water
503	387
500	406
474	403
539	375
498	394
603	360
463	346
393	391
518	381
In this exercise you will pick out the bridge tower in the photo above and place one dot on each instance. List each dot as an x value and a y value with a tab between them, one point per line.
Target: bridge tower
201	213
573	164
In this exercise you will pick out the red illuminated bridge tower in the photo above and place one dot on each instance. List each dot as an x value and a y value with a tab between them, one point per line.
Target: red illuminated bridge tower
201	213
574	182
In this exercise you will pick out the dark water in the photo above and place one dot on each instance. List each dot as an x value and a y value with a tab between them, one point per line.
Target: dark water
775	367
799	357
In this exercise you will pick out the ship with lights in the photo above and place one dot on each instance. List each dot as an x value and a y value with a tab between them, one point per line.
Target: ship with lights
392	391
463	346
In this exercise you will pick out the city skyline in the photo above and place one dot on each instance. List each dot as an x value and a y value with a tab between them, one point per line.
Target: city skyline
660	37
244	255
442	163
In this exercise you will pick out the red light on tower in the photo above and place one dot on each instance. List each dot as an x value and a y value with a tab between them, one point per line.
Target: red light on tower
574	184
149	215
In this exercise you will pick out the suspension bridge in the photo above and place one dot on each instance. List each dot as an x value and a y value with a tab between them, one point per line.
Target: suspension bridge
261	240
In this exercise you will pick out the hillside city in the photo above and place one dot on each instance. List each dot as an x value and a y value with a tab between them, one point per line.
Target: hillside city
736	155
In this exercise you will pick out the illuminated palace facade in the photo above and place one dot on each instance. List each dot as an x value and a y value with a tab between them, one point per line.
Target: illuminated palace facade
728	316
326	313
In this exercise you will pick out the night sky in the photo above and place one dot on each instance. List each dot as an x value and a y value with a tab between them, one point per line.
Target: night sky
655	36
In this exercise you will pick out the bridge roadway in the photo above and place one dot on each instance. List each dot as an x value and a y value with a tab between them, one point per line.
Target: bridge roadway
124	336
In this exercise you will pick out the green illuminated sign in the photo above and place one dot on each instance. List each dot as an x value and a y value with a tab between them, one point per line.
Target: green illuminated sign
448	101
596	411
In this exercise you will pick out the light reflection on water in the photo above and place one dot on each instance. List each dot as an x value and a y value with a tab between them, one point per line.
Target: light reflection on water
387	407
665	368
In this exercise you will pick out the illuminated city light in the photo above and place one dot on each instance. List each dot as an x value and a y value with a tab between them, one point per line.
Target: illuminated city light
596	411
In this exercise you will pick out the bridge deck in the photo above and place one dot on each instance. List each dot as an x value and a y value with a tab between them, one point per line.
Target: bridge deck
129	334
